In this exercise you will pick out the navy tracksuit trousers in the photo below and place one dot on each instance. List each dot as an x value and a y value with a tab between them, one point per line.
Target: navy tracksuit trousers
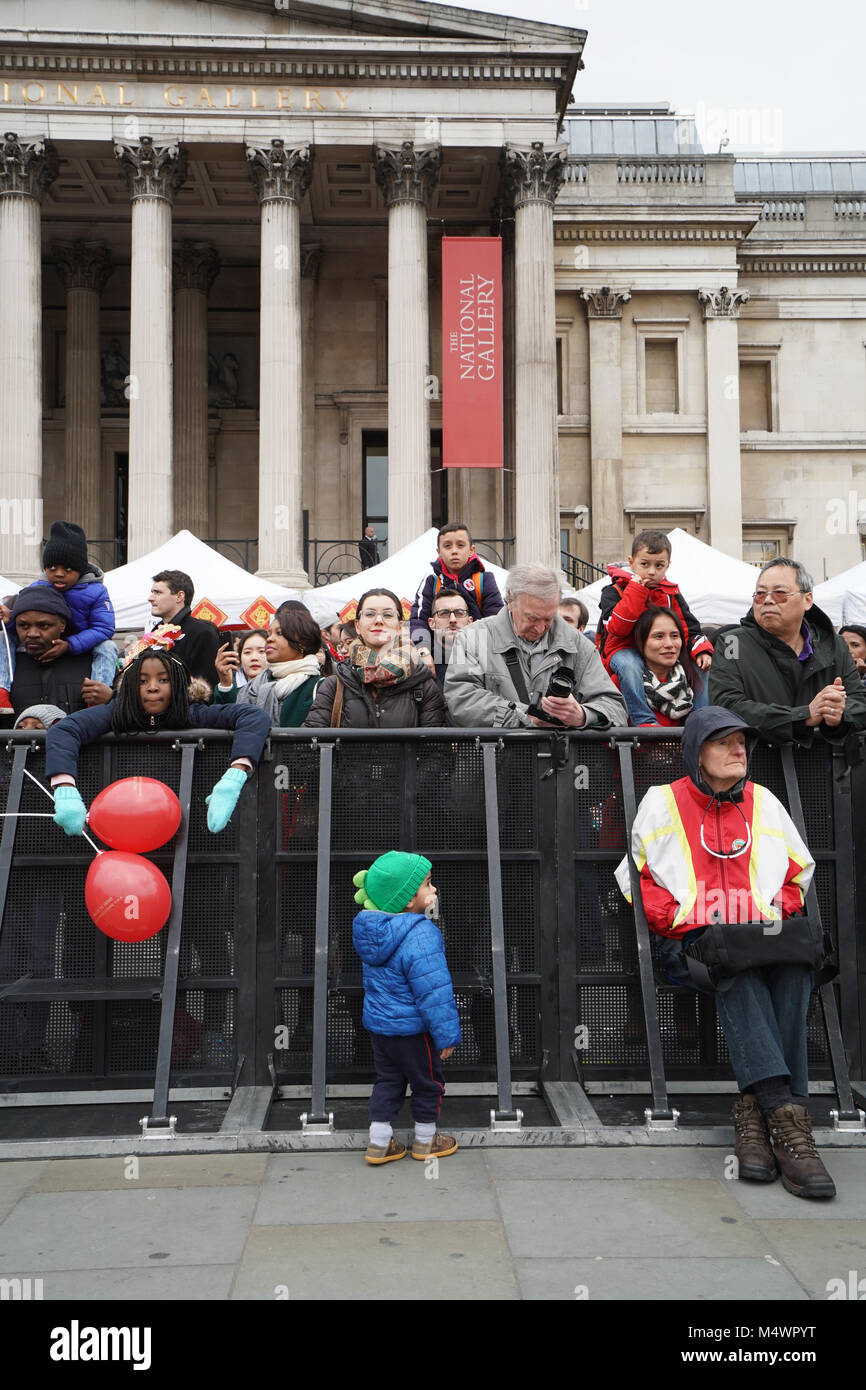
400	1060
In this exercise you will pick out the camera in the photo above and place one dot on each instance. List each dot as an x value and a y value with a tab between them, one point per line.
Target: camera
560	685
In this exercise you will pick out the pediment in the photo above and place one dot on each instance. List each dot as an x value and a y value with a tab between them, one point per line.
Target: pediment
372	18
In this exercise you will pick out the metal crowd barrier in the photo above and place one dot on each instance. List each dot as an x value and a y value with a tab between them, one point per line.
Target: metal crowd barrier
252	993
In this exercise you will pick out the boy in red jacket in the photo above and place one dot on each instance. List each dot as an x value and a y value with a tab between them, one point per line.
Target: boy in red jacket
634	587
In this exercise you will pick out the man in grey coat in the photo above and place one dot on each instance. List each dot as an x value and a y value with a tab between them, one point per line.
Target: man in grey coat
479	687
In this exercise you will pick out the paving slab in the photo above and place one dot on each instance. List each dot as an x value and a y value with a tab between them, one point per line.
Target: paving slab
387	1260
123	1173
116	1230
605	1164
817	1252
334	1188
773	1202
709	1277
160	1282
16	1179
683	1218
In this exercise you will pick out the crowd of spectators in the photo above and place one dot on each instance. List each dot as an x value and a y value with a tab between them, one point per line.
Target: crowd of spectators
469	655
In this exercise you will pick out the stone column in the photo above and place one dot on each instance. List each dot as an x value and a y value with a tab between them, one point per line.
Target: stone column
406	177
84	268
724	486
532	179
604	312
196	265
153	175
311	260
27	168
281	177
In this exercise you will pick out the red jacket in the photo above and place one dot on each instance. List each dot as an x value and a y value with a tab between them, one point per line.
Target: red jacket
710	885
624	600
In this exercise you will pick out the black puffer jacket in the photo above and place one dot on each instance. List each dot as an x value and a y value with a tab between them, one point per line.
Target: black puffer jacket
761	677
414	702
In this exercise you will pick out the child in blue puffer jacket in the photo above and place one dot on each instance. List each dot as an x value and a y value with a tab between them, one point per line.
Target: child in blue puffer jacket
409	1005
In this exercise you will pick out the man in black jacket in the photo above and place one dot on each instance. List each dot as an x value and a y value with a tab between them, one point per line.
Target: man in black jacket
784	669
41	617
171	598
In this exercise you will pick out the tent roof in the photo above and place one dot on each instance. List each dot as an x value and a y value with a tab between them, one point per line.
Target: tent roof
227	585
717	587
843	598
402	573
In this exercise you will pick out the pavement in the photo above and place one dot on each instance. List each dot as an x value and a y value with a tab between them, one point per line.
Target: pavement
494	1224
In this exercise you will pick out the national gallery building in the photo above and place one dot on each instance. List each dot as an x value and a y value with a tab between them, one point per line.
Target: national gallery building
221	229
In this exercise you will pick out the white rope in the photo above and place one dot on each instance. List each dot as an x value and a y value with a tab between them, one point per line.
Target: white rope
50	796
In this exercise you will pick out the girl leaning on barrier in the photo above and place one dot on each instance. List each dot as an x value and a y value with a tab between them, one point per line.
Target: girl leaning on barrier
382	683
153	694
714	848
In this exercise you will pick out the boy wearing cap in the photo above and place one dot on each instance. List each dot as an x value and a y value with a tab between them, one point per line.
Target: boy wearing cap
409	1006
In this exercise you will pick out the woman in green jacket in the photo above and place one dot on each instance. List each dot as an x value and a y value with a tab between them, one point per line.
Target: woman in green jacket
286	687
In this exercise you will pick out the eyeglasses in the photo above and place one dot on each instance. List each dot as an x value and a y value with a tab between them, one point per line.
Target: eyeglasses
446	614
777	595
389	616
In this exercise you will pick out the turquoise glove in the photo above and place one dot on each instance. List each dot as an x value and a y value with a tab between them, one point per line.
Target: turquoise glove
70	811
224	798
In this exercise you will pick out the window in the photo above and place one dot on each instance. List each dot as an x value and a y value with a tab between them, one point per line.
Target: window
767	540
375	455
660	364
756	396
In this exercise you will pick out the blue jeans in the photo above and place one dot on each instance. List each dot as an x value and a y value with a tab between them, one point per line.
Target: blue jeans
627	665
763	1017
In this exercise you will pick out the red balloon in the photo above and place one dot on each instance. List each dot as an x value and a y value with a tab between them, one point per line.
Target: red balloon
137	814
127	896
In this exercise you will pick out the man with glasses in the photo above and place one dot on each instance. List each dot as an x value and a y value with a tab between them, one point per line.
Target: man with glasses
501	666
449	615
784	669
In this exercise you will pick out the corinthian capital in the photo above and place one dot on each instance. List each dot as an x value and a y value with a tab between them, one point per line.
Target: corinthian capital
82	265
196	265
280	173
723	303
604	303
26	166
406	175
150	170
533	175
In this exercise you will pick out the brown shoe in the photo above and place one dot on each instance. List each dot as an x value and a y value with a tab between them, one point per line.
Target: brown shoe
440	1146
755	1159
377	1154
802	1171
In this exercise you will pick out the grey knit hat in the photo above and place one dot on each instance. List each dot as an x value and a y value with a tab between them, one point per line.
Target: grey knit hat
46	714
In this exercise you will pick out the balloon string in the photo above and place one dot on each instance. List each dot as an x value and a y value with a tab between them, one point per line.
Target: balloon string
46	813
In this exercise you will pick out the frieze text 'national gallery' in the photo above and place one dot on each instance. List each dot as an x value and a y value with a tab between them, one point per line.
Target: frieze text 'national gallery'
221	228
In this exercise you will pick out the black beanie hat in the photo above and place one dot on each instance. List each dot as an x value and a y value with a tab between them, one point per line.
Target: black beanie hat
67	546
41	598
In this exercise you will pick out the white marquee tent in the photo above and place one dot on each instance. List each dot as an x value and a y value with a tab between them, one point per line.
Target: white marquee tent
227	585
717	587
401	573
843	599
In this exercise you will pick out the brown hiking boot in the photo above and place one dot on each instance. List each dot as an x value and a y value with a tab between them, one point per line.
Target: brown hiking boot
755	1160
802	1171
379	1154
440	1146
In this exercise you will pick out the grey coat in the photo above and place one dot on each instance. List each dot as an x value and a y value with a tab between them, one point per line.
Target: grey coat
479	691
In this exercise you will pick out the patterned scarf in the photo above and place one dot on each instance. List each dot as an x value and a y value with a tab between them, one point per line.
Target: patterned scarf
385	665
674	698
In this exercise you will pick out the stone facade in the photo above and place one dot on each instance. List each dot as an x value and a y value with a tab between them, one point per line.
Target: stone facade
239	216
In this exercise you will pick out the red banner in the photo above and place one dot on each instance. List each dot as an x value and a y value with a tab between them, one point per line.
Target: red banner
472	352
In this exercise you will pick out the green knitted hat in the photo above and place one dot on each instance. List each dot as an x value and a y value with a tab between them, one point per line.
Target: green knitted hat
391	881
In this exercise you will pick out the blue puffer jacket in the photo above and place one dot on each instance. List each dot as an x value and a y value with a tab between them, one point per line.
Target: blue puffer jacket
407	987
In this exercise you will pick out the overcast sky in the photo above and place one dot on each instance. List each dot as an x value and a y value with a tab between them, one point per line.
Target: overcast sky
776	74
